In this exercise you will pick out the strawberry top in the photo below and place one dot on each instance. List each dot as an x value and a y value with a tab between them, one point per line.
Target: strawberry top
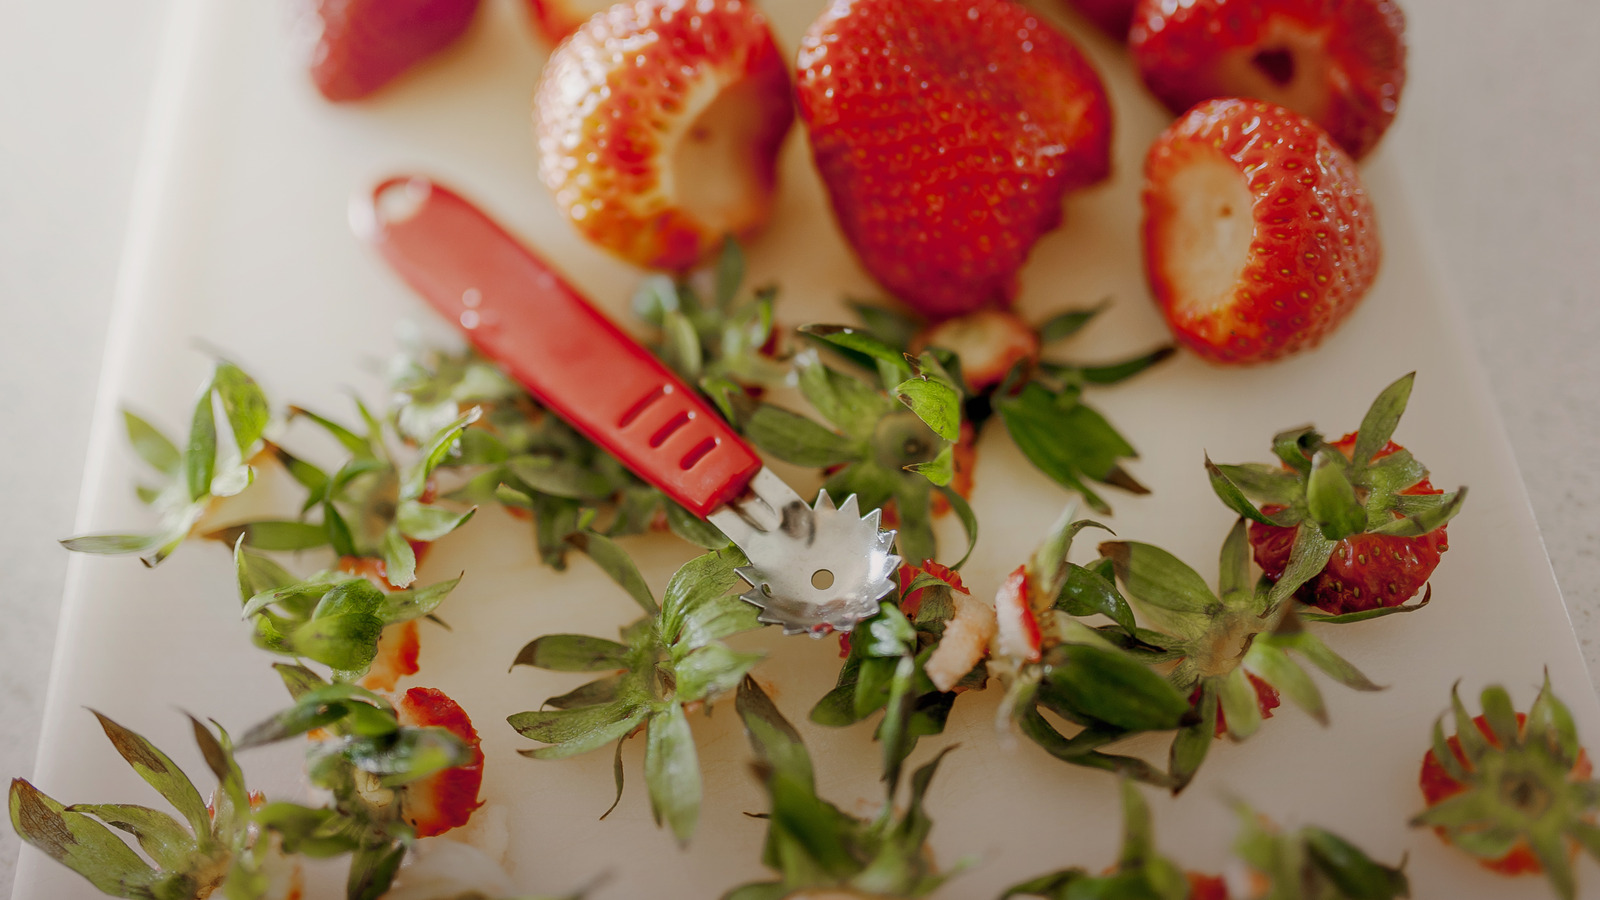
947	133
446	799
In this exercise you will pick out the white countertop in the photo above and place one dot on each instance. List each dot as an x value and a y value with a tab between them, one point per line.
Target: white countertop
1503	93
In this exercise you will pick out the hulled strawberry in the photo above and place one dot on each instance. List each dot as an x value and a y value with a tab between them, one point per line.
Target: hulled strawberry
1231	646
1259	238
355	47
947	133
659	124
989	342
820	851
1341	63
554	20
1513	789
1351	526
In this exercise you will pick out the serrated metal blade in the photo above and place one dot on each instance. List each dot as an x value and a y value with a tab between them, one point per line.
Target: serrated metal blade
814	568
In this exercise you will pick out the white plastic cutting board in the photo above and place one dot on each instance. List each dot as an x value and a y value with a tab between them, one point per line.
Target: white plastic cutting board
241	245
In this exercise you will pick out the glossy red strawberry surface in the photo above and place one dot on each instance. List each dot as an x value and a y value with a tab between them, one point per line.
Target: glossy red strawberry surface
947	133
447	799
659	124
1259	238
1340	62
1366	571
355	47
1438	785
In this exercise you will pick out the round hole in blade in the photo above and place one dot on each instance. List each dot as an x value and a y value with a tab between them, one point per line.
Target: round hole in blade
822	579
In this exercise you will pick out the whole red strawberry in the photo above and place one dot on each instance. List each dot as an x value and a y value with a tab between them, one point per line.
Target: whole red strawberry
355	47
1351	526
1259	238
1339	62
947	132
659	124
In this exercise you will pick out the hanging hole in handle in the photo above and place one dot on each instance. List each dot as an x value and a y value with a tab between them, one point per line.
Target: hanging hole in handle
822	579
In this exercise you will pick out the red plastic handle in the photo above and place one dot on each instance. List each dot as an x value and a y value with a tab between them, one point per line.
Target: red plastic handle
520	313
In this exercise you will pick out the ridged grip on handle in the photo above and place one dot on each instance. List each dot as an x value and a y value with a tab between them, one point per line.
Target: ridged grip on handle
520	313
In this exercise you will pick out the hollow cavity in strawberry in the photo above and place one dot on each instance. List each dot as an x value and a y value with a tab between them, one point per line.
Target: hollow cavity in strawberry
1017	627
1259	237
947	134
355	47
446	799
659	124
1341	64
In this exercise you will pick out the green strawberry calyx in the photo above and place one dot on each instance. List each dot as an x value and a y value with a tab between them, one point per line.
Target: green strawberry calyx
1339	492
1515	780
1223	643
669	663
812	844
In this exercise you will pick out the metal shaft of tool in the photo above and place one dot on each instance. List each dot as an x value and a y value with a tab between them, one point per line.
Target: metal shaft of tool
814	569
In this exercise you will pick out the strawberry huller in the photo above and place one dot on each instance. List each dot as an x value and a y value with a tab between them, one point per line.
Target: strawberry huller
814	568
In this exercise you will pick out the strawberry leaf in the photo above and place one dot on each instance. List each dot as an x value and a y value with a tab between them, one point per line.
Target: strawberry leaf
863	342
1378	425
153	447
1331	499
573	653
672	772
163	838
79	843
160	772
617	565
1156	577
1066	324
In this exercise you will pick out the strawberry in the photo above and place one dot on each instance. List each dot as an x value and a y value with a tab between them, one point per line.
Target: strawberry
947	133
1352	526
1114	17
355	47
1259	238
445	799
554	20
659	124
1513	789
1341	63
